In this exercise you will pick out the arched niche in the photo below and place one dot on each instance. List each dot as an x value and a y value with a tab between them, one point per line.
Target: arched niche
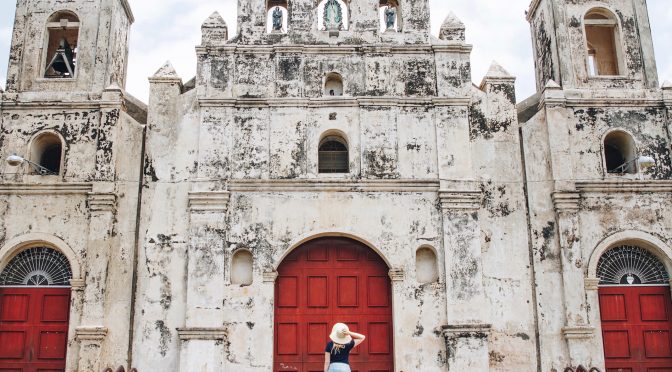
242	268
620	153
47	150
426	265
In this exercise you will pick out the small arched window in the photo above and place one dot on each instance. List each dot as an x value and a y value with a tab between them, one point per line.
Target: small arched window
241	268
426	266
277	16
603	43
62	41
333	15
46	150
334	155
333	85
390	16
620	153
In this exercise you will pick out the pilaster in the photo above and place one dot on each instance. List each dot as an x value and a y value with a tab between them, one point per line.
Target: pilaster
468	326
201	339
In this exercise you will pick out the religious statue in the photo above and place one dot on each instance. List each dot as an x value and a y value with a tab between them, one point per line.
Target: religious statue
277	19
390	17
333	15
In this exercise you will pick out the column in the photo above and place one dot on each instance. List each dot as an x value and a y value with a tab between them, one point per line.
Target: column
468	328
202	338
578	331
92	331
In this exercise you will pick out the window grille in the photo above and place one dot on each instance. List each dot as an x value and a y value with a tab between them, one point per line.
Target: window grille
333	157
37	267
630	265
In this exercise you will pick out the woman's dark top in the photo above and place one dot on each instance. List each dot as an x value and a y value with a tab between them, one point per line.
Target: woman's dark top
339	356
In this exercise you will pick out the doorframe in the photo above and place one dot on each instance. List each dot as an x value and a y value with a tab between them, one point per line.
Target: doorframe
16	245
396	275
592	283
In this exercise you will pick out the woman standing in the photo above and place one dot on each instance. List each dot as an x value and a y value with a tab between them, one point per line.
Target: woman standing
337	353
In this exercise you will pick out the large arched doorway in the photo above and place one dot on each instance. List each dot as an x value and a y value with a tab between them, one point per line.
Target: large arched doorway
34	311
331	280
636	310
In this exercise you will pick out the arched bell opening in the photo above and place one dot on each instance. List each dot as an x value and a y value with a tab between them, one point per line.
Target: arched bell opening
635	308
603	43
61	46
35	303
326	281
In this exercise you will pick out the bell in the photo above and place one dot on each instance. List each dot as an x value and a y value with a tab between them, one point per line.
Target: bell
63	62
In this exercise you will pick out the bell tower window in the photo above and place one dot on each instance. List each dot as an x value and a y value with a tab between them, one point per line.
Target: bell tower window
603	46
62	42
47	151
620	153
277	16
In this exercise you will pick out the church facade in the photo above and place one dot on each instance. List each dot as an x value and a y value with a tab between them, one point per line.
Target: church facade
333	162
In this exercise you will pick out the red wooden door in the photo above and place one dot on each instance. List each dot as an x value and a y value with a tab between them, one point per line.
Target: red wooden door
33	329
327	281
637	328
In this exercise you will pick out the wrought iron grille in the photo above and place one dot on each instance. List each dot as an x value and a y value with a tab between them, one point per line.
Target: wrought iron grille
631	265
37	267
333	158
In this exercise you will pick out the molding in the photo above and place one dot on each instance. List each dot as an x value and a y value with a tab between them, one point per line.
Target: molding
202	333
331	185
578	332
77	284
624	186
397	274
102	202
127	9
467	330
345	101
45	189
460	200
615	102
209	201
270	276
532	9
308	49
591	284
60	105
96	333
566	201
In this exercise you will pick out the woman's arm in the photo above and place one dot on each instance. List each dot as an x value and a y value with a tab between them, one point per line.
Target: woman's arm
358	337
326	362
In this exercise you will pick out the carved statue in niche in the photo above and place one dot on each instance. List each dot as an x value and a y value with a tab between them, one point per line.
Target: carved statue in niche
277	19
390	17
333	16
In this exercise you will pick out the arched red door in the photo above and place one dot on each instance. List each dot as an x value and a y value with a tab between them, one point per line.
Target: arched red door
636	311
34	312
325	281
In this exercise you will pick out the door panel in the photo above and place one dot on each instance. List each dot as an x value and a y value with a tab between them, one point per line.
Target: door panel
327	281
33	329
636	328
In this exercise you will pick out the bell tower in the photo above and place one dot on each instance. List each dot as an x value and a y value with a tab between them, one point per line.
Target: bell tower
603	44
75	46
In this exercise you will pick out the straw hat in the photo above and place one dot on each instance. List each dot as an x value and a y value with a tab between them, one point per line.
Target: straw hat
339	334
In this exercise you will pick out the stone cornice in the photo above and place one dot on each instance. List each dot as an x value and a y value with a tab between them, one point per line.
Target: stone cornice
60	105
578	332
624	186
209	201
337	49
201	333
466	330
333	185
615	102
45	189
102	202
566	201
455	200
95	333
387	101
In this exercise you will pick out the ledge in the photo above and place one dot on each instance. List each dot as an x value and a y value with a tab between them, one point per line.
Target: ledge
468	200
345	101
467	330
45	189
624	186
202	333
578	332
209	201
304	185
97	333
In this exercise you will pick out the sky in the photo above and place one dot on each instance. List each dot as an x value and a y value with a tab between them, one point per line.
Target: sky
170	30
